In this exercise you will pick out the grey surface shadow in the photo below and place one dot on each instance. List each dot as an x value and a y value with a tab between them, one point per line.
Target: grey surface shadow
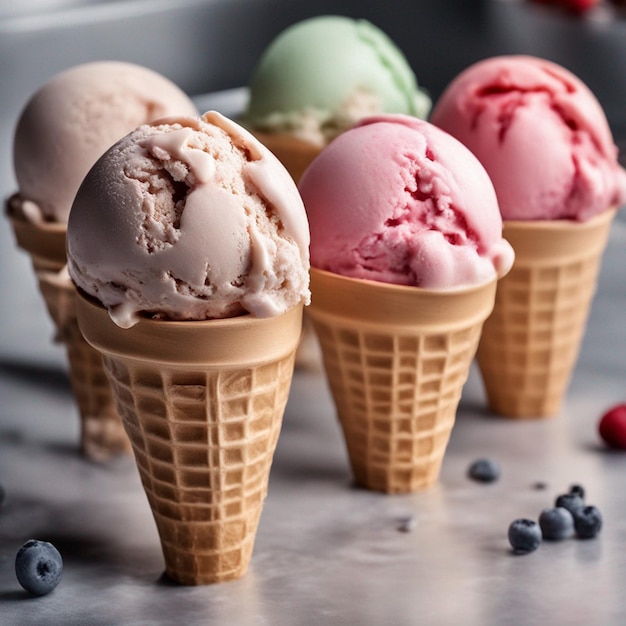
16	595
65	449
307	471
476	409
95	550
44	376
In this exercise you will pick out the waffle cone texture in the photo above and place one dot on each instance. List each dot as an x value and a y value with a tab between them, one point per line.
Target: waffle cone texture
101	431
202	403
530	344
396	359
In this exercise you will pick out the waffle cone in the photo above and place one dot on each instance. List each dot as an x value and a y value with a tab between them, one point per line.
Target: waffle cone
44	242
101	431
530	343
202	403
294	153
396	359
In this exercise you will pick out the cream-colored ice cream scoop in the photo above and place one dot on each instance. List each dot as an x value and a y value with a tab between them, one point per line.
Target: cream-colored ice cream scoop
73	118
189	219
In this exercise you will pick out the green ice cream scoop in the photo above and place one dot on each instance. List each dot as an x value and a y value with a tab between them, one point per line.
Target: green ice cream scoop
327	72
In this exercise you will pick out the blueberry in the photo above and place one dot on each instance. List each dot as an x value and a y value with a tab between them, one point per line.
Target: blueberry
484	471
524	535
587	522
556	523
578	490
570	501
407	524
38	567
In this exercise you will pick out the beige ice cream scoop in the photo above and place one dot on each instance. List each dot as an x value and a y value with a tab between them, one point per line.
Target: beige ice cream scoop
189	219
73	118
64	127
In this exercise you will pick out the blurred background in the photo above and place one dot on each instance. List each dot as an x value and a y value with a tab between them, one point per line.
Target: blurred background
208	46
212	45
96	516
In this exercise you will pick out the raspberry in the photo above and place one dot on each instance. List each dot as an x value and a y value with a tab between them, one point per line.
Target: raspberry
612	427
576	6
579	6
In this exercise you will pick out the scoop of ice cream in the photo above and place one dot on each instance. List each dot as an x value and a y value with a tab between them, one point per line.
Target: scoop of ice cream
540	133
73	118
397	200
321	75
189	219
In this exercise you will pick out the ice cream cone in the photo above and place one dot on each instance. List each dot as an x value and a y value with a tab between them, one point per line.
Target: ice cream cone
294	153
101	432
530	343
202	403
396	360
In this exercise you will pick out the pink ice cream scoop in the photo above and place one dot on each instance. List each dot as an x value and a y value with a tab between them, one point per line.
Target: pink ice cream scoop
540	133
397	200
189	219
